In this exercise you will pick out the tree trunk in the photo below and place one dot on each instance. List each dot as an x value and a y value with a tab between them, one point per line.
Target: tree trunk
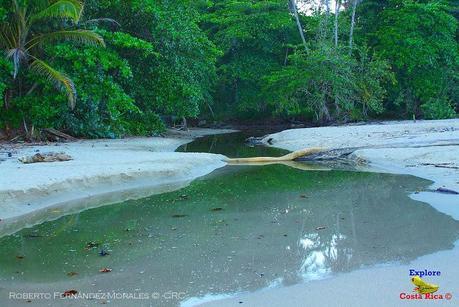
351	34
298	23
337	109
184	124
337	9
7	98
323	31
7	102
286	56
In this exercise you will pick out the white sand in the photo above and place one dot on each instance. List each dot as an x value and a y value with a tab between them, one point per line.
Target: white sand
416	144
102	172
399	147
387	133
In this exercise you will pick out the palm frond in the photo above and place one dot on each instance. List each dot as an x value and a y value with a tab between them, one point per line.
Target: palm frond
16	55
97	21
86	37
58	79
64	9
5	41
11	31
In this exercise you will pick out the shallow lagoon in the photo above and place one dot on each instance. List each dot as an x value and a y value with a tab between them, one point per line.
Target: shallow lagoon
241	228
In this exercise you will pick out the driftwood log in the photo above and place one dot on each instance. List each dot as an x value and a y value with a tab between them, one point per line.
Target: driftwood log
58	135
46	157
289	157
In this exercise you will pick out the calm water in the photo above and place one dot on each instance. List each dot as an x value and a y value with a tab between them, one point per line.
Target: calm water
231	145
241	228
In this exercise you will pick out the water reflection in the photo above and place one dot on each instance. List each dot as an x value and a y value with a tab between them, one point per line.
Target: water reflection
241	228
232	145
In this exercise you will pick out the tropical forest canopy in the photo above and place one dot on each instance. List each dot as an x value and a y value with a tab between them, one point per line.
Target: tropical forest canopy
110	68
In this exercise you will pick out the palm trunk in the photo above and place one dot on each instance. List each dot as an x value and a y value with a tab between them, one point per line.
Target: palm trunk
337	108
351	34
286	56
298	23
325	114
184	124
7	102
337	9
323	31
327	13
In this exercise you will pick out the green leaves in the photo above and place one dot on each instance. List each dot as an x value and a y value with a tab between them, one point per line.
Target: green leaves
237	58
127	41
253	38
329	84
23	39
420	40
85	37
62	9
100	76
61	81
5	73
233	22
418	34
438	109
2	14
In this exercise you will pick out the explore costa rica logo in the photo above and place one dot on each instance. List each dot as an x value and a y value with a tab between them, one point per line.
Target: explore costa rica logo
424	290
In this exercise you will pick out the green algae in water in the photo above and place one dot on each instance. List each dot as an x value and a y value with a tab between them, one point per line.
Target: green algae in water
241	228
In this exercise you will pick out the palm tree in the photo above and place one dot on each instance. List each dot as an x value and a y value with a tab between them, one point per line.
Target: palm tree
34	23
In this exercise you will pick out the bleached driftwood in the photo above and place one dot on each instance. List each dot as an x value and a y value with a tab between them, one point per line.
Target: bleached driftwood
46	157
289	157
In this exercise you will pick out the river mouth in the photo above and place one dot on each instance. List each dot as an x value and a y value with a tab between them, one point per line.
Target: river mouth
232	145
239	229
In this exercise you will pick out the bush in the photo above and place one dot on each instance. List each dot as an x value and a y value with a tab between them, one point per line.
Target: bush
331	84
438	109
5	73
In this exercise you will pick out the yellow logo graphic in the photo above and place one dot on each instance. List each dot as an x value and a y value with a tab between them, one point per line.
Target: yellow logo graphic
423	287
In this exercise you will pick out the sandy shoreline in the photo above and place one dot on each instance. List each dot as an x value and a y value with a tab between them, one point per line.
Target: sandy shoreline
101	172
426	149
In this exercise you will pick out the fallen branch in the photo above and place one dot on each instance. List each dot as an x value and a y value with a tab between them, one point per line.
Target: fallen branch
289	157
441	165
59	134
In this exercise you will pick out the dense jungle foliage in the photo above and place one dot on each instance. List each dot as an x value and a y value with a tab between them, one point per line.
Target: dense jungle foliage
110	68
